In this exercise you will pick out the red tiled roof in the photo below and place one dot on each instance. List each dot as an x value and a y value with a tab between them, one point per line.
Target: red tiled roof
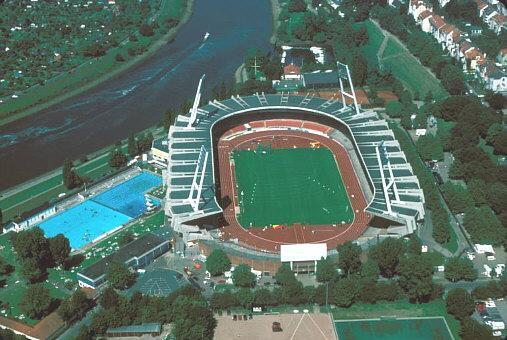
447	28
472	54
437	21
465	46
456	35
291	69
424	14
480	4
500	19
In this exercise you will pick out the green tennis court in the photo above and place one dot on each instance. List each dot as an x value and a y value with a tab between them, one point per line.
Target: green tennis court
394	329
289	186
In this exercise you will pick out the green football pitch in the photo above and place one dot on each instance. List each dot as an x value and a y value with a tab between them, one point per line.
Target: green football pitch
394	329
288	186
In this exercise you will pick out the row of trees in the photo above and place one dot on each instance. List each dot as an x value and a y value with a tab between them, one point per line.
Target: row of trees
185	308
36	253
486	184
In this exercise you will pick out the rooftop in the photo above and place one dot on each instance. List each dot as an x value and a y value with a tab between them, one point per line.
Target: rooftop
143	328
132	250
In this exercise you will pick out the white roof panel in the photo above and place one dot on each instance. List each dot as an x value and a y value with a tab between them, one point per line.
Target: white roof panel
303	252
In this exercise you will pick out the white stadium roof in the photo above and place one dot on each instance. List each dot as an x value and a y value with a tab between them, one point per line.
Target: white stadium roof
303	252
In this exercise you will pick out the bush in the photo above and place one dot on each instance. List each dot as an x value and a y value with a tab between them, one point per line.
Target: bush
119	58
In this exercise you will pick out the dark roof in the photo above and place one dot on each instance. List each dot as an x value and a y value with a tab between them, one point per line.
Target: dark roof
321	78
161	144
134	249
144	328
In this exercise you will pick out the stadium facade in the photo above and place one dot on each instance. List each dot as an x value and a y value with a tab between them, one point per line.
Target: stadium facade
392	190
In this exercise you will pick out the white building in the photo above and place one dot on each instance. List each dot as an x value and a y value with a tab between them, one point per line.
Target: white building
303	257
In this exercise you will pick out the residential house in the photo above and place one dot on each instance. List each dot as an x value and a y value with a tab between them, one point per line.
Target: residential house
291	72
497	23
481	7
494	78
424	21
415	8
442	3
501	58
436	24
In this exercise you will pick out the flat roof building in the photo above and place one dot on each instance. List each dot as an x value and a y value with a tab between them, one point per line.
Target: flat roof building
137	254
153	329
303	257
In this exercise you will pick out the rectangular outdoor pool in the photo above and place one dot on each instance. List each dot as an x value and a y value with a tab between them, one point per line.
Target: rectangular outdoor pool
98	215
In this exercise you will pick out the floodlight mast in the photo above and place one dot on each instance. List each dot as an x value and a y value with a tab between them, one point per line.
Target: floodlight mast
197	100
344	74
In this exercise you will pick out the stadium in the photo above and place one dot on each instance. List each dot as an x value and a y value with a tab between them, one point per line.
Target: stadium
268	170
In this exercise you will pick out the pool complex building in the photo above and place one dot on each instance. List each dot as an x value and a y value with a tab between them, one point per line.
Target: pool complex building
100	214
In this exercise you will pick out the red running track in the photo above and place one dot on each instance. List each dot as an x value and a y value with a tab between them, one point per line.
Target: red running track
269	240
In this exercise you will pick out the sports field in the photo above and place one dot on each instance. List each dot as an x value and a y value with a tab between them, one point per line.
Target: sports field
289	186
394	329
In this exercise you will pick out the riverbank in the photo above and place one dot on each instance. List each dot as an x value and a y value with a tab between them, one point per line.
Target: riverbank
90	81
275	9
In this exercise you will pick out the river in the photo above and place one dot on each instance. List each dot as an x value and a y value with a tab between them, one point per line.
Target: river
136	99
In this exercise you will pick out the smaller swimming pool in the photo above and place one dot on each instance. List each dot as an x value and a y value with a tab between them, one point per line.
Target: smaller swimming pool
92	218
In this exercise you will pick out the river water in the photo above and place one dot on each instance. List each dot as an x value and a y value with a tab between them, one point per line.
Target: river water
137	99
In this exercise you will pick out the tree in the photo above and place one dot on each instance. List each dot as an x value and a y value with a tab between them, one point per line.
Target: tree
242	276
245	297
132	147
194	320
263	298
109	298
297	6
36	301
146	30
117	159
217	262
59	247
5	268
345	292
284	275
459	303
387	255
495	100
348	259
326	270
430	147
414	245
415	277
126	238
70	178
460	269
452	79
458	197
120	276
394	109
74	308
370	271
31	270
32	244
483	225
472	330
359	70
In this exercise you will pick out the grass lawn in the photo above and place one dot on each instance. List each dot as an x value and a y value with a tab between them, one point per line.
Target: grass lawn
496	159
16	285
41	192
393	329
375	40
295	19
410	72
287	186
400	309
59	280
452	245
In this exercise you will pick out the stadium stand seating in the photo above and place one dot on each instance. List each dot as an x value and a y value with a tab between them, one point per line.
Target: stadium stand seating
375	142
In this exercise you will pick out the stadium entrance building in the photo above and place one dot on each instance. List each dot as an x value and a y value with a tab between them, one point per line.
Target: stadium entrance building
303	258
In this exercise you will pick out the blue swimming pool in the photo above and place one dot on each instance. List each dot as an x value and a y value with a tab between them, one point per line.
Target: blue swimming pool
87	221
